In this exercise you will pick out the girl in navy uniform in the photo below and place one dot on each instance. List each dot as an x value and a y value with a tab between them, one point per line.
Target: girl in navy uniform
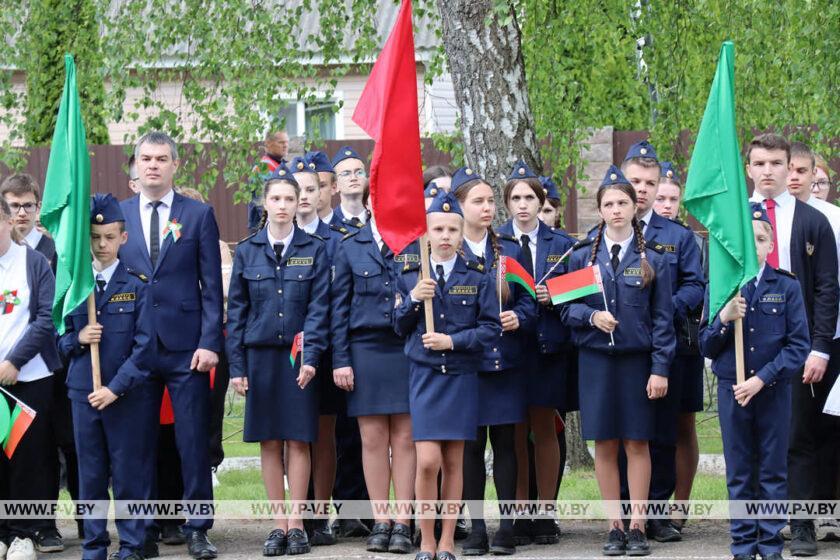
501	383
279	288
548	350
369	363
625	352
443	385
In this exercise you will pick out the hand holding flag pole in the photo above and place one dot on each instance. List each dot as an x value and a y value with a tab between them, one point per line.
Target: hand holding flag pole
96	369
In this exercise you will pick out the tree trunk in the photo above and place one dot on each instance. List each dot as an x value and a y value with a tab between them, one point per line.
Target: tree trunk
577	454
484	56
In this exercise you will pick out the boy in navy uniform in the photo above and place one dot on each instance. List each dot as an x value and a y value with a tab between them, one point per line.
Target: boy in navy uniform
755	415
115	425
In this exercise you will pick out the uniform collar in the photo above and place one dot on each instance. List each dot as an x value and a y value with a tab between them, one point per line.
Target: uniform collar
447	266
108	273
286	241
374	231
784	199
608	243
328	218
312	226
532	236
647	217
478	248
349	217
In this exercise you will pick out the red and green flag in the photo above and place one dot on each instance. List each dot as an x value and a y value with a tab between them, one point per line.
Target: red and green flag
512	271
13	425
297	346
574	285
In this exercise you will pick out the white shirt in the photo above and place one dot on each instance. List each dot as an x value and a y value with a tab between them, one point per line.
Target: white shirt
646	219
532	241
328	218
34	237
447	267
623	244
163	216
376	235
478	247
832	213
311	227
15	324
349	217
286	241
785	206
106	273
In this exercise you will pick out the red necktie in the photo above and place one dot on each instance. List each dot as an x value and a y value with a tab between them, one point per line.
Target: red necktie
773	257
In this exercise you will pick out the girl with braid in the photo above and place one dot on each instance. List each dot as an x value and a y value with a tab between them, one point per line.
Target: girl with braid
501	384
625	353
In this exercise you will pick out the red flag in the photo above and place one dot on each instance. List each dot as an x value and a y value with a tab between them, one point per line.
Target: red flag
387	111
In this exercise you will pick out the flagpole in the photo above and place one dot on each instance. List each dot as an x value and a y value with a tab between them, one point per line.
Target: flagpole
94	346
740	373
566	254
426	272
604	295
17	400
499	282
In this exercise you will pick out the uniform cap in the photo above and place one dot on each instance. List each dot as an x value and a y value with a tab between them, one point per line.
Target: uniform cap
445	202
105	209
641	149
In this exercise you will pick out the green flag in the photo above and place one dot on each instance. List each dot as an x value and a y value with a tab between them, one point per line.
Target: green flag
65	209
716	189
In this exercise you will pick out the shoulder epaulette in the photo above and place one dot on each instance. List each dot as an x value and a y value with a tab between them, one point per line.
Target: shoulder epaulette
316	236
506	237
340	229
784	272
682	223
563	234
249	236
475	265
658	247
139	275
349	234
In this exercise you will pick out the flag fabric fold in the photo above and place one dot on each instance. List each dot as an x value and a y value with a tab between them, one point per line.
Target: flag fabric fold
396	170
716	189
512	271
297	346
65	210
574	285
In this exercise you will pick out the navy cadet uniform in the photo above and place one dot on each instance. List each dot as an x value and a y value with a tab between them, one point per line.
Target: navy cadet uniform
352	223
364	295
614	403
443	386
275	293
114	443
776	345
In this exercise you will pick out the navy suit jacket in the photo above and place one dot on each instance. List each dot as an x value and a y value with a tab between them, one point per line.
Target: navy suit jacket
185	287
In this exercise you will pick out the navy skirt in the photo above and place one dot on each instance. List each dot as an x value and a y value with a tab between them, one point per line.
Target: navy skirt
501	397
546	379
443	406
380	370
613	396
275	407
690	366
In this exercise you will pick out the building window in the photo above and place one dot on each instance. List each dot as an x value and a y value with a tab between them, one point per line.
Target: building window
314	118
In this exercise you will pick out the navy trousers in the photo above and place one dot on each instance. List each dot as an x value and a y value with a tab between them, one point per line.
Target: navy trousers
755	443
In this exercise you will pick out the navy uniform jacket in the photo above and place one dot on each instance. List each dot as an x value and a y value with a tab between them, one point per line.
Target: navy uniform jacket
339	220
467	310
775	332
645	315
364	289
185	287
506	353
331	235
552	244
270	302
127	350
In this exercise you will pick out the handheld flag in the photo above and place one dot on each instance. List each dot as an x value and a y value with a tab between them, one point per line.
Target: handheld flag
13	426
512	271
574	285
297	346
65	210
716	189
387	111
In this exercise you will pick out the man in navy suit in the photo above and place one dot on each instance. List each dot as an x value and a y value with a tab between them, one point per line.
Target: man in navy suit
174	241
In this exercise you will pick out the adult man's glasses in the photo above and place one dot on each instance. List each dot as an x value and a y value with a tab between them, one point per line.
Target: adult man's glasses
360	173
28	207
821	185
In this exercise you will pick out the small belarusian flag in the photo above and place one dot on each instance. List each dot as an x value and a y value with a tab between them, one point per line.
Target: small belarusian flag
14	425
574	285
512	271
297	346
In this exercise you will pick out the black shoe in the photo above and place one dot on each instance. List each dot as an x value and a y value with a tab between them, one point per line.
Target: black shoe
545	531
297	542
424	556
353	528
523	529
461	530
133	556
662	531
743	557
444	555
379	538
48	541
475	544
199	546
400	542
637	544
803	540
150	548
616	544
773	556
677	526
275	544
172	535
503	544
322	534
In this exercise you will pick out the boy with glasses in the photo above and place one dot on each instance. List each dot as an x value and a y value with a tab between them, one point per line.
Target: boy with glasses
24	198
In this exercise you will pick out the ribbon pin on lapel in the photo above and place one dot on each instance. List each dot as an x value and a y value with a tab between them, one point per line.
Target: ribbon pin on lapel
173	228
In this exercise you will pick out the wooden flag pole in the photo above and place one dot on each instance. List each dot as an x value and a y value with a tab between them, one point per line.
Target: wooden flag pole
94	348
740	374
426	272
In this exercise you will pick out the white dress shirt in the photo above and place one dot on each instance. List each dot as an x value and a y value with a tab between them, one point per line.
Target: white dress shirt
328	218
646	219
107	273
163	216
34	237
286	241
623	244
447	266
311	227
532	241
785	207
477	247
349	217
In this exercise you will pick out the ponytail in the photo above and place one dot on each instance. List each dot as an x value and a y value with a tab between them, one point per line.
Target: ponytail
263	219
641	246
597	242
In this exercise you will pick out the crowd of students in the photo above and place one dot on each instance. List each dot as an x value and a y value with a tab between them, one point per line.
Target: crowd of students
321	328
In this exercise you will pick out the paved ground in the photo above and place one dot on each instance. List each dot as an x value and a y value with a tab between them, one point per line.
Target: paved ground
704	540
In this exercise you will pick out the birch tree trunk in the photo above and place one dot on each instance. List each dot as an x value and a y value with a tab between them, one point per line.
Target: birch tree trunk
577	454
484	56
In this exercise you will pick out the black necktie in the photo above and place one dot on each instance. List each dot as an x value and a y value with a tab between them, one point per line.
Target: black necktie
481	259
526	254
100	284
278	251
384	250
356	222
154	233
642	225
615	250
440	279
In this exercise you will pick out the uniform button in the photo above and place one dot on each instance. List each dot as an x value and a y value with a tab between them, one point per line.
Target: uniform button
612	301
441	315
366	273
259	275
155	281
752	329
387	299
277	268
120	309
463	302
279	291
495	350
387	283
497	366
279	314
443	369
387	314
156	305
752	348
752	308
100	313
752	371
774	310
300	276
